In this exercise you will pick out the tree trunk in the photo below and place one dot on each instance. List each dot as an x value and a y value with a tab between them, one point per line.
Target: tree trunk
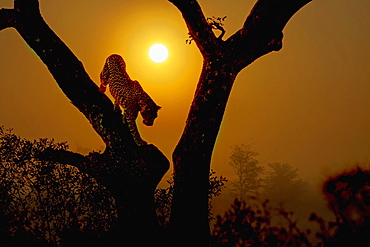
222	61
192	156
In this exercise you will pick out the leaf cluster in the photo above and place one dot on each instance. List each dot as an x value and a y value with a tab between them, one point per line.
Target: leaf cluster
216	22
163	200
189	39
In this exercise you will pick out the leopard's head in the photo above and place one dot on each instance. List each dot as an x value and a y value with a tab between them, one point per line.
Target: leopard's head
116	61
149	112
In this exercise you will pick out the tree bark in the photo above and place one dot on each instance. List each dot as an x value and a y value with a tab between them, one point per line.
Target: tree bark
222	61
131	173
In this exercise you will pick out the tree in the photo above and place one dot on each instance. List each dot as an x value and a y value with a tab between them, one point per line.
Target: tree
282	184
247	169
129	172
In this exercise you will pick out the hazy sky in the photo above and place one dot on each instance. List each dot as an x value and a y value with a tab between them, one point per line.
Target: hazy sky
307	105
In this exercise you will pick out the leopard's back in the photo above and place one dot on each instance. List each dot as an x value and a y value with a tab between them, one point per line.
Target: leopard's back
128	93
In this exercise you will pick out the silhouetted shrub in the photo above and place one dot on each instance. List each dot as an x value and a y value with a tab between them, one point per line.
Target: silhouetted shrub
42	199
251	225
348	196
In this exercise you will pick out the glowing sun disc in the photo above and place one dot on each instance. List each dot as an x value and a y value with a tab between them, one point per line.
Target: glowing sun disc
158	53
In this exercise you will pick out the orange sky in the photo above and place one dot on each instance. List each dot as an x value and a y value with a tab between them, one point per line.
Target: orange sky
307	105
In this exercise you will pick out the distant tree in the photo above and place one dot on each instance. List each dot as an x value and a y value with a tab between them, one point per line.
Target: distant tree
131	173
282	184
247	169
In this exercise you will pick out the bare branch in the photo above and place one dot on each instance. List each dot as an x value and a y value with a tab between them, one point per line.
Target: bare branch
71	76
262	30
7	18
63	157
88	164
199	29
268	15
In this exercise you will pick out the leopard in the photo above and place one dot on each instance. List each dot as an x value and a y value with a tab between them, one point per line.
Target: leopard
129	95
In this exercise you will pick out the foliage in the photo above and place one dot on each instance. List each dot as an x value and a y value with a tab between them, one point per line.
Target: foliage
190	39
163	197
216	23
247	169
163	200
348	196
251	225
45	199
216	185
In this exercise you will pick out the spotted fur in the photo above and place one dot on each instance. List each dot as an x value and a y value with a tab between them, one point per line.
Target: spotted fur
128	94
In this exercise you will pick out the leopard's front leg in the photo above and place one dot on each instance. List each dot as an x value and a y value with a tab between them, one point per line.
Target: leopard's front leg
131	123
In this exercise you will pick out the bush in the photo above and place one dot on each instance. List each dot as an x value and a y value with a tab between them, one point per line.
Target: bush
44	199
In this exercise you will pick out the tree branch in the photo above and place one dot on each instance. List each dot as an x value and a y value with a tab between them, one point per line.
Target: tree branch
199	29
7	18
76	84
131	173
151	163
262	30
63	157
71	76
269	15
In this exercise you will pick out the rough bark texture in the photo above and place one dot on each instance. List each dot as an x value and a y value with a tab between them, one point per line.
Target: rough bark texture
222	61
130	172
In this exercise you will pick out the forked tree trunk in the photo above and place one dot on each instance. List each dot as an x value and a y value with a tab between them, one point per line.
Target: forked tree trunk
131	173
222	61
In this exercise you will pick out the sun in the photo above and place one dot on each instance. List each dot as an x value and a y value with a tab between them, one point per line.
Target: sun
158	53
